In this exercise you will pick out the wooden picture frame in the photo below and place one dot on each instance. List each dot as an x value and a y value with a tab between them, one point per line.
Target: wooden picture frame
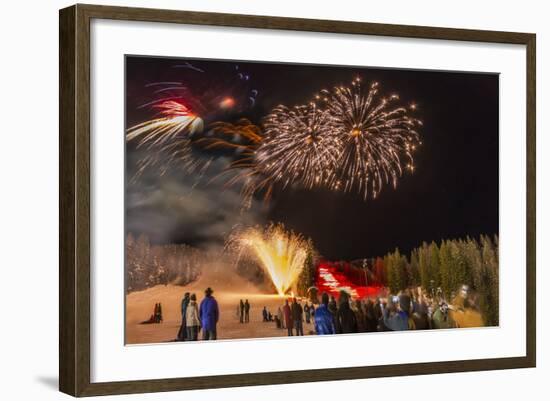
74	204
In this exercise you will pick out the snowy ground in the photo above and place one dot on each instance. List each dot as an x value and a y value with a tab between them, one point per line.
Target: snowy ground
140	305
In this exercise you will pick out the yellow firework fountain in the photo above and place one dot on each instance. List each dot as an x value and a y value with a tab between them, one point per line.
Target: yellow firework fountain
281	253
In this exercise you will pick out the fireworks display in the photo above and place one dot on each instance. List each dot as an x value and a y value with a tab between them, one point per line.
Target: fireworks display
348	139
281	253
377	138
184	110
300	147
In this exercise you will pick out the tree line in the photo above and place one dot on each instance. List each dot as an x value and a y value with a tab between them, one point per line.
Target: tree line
444	267
149	265
439	268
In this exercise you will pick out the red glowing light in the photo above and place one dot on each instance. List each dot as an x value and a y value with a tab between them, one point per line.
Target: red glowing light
332	277
227	103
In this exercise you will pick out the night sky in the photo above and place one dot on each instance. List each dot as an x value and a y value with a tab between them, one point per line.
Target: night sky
452	193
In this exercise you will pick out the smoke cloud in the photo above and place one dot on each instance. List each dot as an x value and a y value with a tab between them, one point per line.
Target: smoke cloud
180	207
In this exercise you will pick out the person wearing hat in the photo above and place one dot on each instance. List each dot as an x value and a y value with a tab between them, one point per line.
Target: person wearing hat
209	315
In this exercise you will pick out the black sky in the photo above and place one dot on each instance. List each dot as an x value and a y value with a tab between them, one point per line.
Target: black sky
452	193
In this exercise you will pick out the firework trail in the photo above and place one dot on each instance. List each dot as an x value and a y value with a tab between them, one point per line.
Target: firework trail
377	138
176	118
281	253
300	147
184	112
166	139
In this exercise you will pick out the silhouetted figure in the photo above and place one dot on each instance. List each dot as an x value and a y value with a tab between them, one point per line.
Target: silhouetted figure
297	317
307	313
371	320
246	311
360	316
241	311
158	313
333	309
288	317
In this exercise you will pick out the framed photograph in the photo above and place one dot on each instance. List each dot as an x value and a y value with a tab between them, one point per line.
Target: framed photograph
278	200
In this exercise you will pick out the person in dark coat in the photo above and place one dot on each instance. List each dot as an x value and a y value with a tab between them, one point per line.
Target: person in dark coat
264	314
297	317
158	313
347	322
307	313
241	311
324	322
209	315
332	305
288	318
420	315
246	311
371	320
360	317
182	334
333	309
379	308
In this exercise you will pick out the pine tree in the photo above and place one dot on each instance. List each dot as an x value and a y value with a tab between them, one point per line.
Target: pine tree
445	268
424	265
434	267
307	276
489	281
404	272
415	269
389	271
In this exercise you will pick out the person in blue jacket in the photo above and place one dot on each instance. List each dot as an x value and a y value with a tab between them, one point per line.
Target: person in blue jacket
209	315
324	323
